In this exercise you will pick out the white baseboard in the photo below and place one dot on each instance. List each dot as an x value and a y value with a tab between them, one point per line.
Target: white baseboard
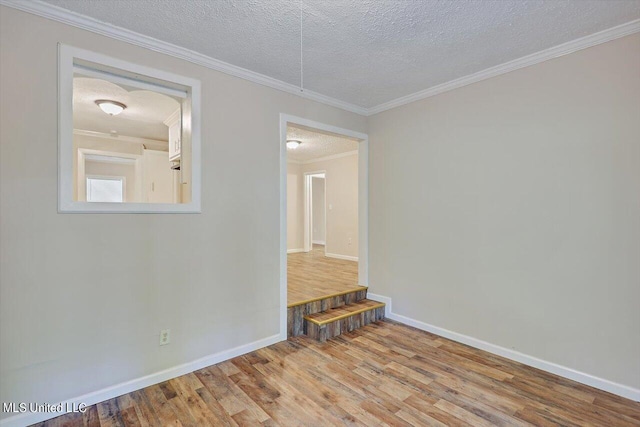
385	300
563	371
318	242
142	382
294	251
338	256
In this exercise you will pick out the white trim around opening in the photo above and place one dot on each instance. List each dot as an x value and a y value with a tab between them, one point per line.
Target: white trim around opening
72	59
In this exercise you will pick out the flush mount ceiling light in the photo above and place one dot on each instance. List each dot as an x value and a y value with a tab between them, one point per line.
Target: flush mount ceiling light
112	108
293	143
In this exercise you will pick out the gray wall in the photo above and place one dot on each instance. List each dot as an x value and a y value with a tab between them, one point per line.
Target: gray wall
295	207
341	187
509	210
71	323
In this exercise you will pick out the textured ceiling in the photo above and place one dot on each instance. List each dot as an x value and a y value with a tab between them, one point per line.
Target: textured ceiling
142	118
315	144
365	52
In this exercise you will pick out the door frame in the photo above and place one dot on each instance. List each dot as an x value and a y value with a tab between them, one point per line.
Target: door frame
81	182
363	204
308	208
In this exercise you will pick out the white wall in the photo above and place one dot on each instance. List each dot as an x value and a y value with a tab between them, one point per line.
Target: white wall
295	207
70	323
341	186
318	214
509	210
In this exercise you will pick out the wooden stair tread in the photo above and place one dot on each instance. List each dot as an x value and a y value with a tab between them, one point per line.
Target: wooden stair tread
343	312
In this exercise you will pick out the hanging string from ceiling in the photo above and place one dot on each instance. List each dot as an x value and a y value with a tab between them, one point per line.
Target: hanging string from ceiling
301	64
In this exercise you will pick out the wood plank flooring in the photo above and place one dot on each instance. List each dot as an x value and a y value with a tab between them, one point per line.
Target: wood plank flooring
384	374
311	275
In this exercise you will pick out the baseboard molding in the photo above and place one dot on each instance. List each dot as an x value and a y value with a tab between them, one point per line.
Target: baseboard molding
563	371
318	242
142	382
338	256
294	251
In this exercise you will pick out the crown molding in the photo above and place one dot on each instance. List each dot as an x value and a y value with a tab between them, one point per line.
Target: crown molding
123	138
173	117
322	159
49	11
46	10
535	58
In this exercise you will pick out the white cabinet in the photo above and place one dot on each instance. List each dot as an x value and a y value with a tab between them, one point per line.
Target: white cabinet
175	135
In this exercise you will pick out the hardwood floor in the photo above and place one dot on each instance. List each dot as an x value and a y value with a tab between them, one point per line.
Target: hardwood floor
384	374
312	275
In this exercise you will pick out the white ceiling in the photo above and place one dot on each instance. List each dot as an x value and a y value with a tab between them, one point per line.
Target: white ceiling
363	52
143	117
316	144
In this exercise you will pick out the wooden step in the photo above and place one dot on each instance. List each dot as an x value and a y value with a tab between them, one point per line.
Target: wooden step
347	318
297	311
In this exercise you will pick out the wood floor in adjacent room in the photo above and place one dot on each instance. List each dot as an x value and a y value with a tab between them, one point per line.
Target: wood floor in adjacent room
311	275
383	374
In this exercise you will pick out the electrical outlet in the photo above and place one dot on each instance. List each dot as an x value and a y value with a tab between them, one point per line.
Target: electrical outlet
350	240
165	336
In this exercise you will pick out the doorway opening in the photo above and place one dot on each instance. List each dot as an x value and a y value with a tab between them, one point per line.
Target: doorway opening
324	241
315	230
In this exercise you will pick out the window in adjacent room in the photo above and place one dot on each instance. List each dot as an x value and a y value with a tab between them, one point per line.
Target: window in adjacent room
105	189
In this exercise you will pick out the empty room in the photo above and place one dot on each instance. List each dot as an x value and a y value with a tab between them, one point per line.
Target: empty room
312	212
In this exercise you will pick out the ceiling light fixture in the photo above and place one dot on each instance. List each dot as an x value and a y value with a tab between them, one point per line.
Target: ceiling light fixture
293	143
112	108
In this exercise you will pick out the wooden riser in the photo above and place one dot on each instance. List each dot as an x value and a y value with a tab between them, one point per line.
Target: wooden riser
296	314
333	329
